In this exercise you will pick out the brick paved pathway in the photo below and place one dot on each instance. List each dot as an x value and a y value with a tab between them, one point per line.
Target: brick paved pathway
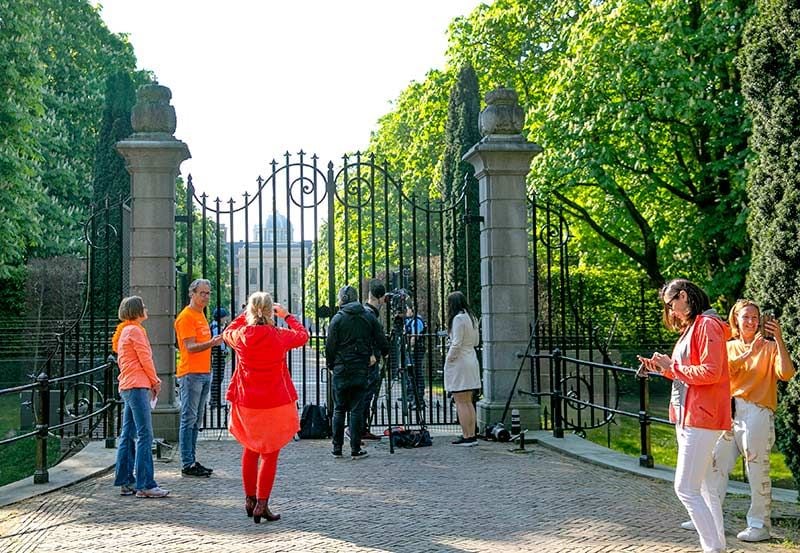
441	498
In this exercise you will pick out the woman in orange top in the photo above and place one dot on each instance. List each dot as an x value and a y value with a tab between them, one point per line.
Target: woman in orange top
756	364
138	385
263	413
700	403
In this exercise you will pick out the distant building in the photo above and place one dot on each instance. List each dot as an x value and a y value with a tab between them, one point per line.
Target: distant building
272	261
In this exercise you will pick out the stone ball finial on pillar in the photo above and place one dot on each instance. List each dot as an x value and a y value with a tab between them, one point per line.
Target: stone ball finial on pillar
153	117
502	115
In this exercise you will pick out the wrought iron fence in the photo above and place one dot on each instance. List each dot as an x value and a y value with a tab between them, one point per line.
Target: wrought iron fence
71	393
581	397
308	229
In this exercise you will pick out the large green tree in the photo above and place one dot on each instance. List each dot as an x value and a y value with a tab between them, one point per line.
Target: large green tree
78	53
638	107
55	56
22	76
770	72
461	247
110	178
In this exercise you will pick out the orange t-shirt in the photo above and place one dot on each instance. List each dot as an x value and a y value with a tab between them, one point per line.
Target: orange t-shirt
192	324
756	378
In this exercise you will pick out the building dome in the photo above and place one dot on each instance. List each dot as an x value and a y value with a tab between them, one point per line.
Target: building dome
276	229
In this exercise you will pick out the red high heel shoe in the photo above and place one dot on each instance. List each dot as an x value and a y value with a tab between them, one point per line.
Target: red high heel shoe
262	510
249	504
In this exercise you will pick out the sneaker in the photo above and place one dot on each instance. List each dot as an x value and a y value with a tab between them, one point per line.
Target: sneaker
208	470
152	492
369	436
337	453
753	534
126	490
196	470
360	454
466	442
688	525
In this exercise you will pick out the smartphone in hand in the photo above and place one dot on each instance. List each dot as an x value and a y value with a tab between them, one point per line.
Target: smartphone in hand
765	318
642	371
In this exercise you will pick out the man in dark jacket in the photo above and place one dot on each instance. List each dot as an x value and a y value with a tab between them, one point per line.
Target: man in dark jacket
375	300
353	336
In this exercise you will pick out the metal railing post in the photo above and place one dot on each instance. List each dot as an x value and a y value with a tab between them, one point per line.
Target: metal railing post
40	475
110	394
556	397
646	457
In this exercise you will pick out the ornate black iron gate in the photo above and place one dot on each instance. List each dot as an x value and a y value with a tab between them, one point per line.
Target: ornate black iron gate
304	232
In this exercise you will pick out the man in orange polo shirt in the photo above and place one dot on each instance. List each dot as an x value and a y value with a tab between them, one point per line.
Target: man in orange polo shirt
194	372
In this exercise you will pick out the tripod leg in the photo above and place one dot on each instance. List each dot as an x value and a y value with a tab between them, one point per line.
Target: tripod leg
412	373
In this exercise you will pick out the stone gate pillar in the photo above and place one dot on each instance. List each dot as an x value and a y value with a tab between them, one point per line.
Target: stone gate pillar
153	157
502	160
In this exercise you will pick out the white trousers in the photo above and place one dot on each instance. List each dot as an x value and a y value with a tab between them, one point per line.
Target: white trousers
753	436
692	485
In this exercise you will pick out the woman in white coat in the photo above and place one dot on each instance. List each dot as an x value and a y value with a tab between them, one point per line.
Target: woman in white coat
461	371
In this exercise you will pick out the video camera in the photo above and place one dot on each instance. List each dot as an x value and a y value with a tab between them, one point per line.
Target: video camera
398	302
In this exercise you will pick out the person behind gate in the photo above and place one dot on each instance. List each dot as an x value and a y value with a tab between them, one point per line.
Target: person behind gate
700	402
194	373
414	329
353	337
375	300
262	395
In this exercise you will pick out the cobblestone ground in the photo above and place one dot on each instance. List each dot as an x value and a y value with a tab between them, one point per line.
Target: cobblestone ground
440	498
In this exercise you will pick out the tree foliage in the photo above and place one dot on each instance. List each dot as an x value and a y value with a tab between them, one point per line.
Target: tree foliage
770	69
21	77
461	241
55	56
638	108
203	266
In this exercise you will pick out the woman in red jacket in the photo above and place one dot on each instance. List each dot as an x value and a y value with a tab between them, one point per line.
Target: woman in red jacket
263	413
700	402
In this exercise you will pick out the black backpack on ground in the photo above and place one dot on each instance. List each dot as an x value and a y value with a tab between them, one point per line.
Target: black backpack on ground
314	422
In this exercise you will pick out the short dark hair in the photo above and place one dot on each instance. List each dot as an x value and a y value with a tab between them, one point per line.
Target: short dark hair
347	294
376	288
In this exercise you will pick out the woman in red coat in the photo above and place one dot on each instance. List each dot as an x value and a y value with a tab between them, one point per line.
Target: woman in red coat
263	412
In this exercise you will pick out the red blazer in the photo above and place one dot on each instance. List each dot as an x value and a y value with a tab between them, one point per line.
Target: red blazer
708	399
261	379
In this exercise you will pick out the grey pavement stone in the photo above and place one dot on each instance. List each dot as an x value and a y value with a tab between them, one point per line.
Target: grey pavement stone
441	498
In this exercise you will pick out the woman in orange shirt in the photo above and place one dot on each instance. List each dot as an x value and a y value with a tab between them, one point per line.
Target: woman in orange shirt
138	385
756	364
263	413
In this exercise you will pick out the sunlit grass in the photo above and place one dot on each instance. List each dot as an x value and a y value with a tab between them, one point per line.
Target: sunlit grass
624	437
18	459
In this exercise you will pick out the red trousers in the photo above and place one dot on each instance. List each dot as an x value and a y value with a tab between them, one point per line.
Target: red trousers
257	479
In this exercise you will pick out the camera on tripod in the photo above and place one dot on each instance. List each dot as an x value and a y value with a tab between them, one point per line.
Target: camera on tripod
398	303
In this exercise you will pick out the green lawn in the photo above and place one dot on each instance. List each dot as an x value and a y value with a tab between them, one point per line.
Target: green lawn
17	460
624	437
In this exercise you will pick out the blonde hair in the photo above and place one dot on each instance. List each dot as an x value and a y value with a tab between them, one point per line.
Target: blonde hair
130	308
259	309
733	318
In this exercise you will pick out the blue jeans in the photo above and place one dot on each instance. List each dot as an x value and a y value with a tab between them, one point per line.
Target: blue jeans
194	389
135	445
